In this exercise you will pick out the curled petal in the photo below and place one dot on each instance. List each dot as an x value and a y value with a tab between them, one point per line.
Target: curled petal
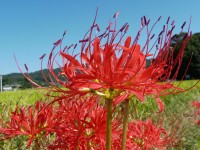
120	98
160	104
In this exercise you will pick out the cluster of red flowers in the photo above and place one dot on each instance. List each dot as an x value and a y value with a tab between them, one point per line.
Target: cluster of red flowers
32	122
107	68
80	123
85	128
145	135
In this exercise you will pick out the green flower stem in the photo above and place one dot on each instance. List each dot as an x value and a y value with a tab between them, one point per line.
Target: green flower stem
109	103
125	124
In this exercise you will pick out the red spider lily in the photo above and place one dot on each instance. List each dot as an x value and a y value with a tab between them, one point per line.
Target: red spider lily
145	135
111	66
31	122
116	68
81	124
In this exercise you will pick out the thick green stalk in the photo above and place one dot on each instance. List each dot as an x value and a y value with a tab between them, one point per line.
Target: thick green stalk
125	124
109	103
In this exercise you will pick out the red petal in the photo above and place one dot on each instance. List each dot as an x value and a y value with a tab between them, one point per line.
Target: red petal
160	104
128	42
70	58
120	98
139	95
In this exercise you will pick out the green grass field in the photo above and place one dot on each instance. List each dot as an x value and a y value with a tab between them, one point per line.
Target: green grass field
23	97
178	112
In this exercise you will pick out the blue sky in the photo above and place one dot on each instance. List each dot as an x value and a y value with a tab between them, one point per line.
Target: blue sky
28	28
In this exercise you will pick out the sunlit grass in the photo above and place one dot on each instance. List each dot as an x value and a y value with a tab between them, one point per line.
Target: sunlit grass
22	97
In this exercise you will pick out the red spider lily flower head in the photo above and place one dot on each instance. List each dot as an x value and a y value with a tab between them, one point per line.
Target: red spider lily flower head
146	135
85	127
114	66
31	122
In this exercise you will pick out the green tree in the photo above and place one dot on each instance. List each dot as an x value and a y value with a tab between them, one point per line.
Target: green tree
26	84
5	81
192	51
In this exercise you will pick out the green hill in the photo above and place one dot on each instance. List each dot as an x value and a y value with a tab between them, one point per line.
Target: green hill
18	78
